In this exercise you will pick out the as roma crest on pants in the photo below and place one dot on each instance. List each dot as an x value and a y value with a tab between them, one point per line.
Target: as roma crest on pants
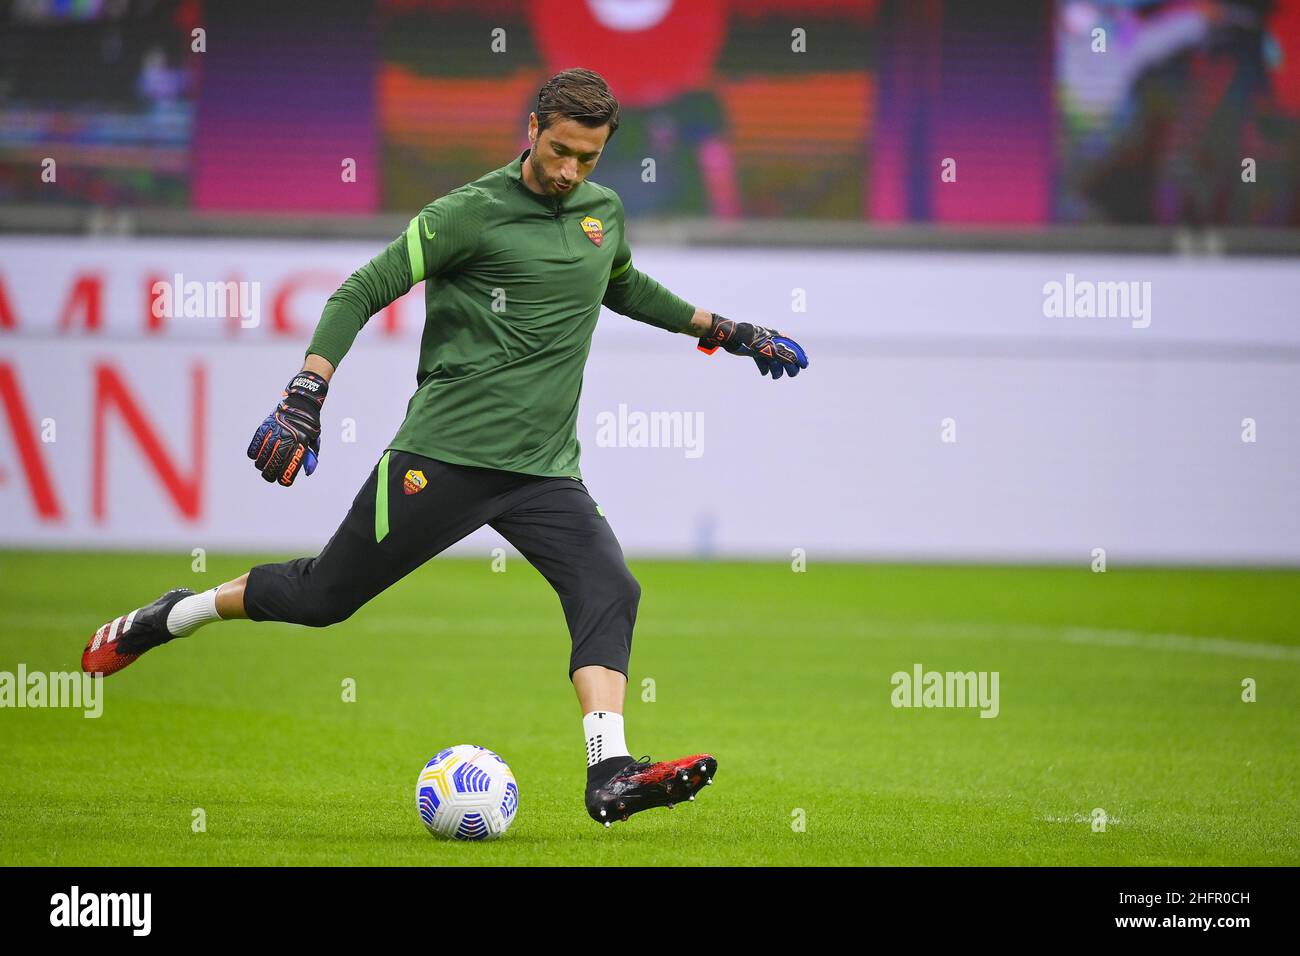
594	230
413	482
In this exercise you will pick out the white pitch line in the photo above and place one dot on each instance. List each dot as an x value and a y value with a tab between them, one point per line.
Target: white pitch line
1186	643
1139	640
939	630
947	630
74	623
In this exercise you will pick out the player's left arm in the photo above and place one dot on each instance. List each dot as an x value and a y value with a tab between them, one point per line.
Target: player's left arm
774	354
632	293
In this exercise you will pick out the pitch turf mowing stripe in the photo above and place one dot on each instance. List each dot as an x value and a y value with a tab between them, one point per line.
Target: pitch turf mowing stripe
381	500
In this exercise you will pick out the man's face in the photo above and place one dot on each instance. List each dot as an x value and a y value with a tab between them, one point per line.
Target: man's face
563	154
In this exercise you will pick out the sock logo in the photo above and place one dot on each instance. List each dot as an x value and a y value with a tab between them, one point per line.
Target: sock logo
414	482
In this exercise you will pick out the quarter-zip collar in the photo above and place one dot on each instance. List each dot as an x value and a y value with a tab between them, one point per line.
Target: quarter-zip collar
516	172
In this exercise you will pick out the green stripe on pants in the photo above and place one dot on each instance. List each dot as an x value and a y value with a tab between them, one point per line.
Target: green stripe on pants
381	500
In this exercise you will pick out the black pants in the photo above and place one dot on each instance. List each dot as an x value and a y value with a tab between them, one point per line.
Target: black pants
412	507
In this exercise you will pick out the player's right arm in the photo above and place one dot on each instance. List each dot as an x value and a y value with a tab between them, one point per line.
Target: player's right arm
442	237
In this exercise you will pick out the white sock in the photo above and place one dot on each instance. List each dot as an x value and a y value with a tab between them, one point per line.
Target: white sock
604	732
191	613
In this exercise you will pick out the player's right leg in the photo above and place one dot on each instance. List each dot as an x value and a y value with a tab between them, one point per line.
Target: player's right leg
409	509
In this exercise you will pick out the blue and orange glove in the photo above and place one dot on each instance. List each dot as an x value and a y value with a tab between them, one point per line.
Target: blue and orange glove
289	439
773	352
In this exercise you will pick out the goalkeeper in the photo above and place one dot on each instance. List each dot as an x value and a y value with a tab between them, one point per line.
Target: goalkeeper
515	266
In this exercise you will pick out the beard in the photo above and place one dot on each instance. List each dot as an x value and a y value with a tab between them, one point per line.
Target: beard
546	182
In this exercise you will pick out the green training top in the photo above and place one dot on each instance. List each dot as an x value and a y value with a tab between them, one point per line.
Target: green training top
513	284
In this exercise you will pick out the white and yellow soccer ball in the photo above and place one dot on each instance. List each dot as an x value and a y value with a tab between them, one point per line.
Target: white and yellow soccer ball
467	793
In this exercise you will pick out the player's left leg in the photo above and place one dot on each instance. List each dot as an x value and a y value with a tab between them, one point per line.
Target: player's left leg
557	526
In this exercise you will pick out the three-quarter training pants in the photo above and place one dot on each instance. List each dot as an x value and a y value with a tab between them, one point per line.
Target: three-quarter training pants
412	507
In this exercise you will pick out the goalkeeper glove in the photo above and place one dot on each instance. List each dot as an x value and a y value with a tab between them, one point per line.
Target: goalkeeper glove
773	352
289	438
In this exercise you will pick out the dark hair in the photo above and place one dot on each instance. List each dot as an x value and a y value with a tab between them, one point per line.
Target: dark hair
579	95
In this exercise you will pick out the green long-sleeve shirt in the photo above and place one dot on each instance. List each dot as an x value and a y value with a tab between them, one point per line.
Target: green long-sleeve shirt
513	281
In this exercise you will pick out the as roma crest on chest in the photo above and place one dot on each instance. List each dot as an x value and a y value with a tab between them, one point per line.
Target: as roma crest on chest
594	230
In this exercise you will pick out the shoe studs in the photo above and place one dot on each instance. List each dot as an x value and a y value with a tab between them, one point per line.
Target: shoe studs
680	781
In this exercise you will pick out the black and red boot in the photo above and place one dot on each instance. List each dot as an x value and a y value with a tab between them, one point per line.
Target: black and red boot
123	639
619	787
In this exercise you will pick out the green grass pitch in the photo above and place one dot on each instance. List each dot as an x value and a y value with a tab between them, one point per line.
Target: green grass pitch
1120	691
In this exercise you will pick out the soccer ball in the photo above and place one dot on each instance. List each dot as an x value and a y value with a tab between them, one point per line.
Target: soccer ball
468	793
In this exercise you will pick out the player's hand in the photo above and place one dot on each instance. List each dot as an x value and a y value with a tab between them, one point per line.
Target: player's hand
289	439
774	353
